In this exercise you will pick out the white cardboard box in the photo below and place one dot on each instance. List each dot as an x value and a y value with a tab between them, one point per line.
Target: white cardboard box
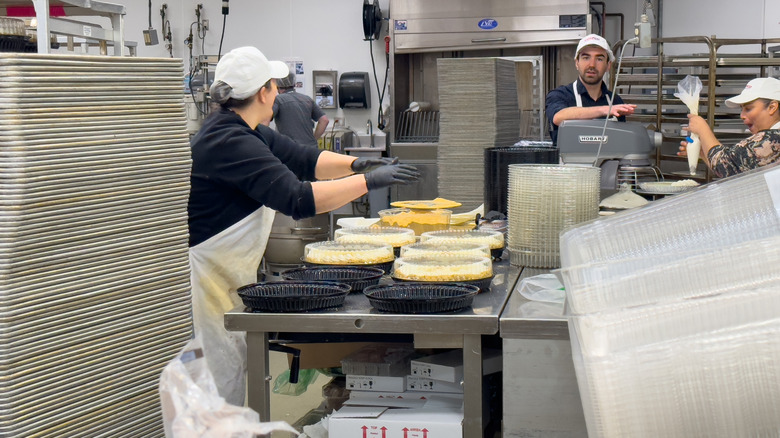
377	422
448	366
376	383
417	383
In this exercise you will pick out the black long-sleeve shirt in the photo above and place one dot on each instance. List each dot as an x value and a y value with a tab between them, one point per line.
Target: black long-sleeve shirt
237	169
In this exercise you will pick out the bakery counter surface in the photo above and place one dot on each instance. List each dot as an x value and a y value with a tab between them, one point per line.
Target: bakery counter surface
461	329
523	318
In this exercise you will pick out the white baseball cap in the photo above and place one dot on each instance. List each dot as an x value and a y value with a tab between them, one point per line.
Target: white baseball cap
760	88
594	40
242	71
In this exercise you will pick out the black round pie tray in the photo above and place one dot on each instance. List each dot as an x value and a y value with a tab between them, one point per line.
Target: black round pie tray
421	297
385	266
358	277
482	283
292	296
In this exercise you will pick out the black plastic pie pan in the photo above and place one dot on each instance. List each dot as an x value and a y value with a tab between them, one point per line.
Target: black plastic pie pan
482	283
421	297
357	277
292	296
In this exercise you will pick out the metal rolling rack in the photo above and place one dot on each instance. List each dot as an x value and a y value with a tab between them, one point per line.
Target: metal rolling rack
651	81
92	33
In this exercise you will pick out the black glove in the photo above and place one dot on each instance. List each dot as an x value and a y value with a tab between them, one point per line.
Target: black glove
391	174
362	164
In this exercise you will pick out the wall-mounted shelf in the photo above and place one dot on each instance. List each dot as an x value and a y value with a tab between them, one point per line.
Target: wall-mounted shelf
93	34
651	81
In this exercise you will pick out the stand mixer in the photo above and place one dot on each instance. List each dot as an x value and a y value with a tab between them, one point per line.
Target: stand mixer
626	154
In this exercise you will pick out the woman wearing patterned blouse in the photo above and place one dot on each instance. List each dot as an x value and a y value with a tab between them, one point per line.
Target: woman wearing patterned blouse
760	102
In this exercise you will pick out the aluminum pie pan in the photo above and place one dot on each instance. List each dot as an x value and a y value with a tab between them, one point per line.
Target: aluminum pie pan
82	103
60	351
61	364
38	277
76	112
26	288
83	420
173	126
19	218
89	256
53	400
35	275
96	119
74	357
26	336
93	250
29	294
73	204
20	221
88	329
32	228
71	360
42	190
107	421
41	314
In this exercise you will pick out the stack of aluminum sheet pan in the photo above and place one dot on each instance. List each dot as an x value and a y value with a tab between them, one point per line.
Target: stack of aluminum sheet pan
479	110
94	274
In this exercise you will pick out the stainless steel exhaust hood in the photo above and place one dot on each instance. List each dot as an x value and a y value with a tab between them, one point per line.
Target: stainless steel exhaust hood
451	25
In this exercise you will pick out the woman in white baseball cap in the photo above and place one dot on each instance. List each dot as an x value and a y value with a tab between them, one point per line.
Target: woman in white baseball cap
760	102
242	172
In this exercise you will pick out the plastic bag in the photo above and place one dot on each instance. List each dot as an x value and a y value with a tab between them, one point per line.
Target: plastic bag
283	386
192	407
688	92
543	287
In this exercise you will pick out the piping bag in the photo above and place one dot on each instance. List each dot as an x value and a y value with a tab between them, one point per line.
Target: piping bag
688	91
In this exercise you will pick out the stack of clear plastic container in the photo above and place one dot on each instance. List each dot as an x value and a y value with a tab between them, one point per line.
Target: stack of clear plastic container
542	201
674	313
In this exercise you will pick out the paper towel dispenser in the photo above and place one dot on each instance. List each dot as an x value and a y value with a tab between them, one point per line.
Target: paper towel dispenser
354	90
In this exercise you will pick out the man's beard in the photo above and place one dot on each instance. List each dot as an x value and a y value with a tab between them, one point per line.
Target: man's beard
591	80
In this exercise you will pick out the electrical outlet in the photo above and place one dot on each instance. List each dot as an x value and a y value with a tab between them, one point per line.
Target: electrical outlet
338	121
205	24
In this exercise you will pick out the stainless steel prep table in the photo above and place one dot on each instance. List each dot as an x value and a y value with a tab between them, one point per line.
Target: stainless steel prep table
539	383
451	330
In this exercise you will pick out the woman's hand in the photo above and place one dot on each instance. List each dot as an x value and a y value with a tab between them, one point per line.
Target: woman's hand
683	152
697	125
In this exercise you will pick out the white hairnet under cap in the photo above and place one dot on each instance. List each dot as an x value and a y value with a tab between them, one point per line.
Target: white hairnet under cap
242	71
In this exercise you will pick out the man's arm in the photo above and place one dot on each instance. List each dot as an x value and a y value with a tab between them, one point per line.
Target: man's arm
322	124
592	112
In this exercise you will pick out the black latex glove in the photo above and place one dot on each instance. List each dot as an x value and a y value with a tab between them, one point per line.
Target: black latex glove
391	174
363	164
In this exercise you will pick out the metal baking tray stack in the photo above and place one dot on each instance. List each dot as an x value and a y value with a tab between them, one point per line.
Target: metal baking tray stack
94	274
478	110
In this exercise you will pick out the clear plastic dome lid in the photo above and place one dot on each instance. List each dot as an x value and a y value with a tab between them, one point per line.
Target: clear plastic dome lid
439	249
393	236
344	253
442	268
493	239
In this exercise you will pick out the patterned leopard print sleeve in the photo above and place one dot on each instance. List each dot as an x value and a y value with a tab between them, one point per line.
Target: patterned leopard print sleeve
756	151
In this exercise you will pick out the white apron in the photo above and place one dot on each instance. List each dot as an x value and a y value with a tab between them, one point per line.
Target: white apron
577	96
220	265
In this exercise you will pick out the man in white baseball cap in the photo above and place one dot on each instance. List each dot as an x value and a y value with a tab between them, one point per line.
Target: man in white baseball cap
760	103
242	173
588	96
